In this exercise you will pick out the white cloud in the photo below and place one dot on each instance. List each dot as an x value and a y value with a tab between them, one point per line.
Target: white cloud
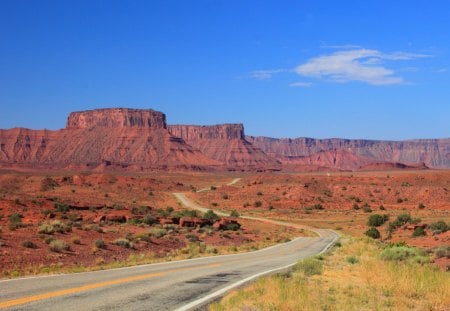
265	74
353	63
301	84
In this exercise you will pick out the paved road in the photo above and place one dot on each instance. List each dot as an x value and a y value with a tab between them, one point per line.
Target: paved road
178	285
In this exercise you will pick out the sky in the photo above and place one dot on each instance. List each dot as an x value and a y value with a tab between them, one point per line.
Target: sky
350	69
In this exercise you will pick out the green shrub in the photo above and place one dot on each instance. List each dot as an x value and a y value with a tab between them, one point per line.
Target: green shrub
15	219
192	238
48	183
318	206
123	242
310	266
352	260
211	216
373	233
439	227
442	251
421	206
61	207
149	220
28	244
233	227
419	231
366	208
377	220
58	246
99	243
157	232
404	253
234	213
257	204
54	226
355	206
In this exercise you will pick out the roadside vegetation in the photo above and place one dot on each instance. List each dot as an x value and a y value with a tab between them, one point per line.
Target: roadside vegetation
362	274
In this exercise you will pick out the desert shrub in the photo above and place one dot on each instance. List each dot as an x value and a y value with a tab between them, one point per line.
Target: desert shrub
377	220
373	233
211	216
123	242
48	183
141	210
61	207
404	253
257	204
355	206
214	204
76	240
382	208
318	206
442	251
49	239
419	231
310	266
157	232
29	244
233	227
186	213
15	219
401	220
399	200
225	196
58	246
259	193
99	243
213	188
439	227
192	238
149	220
352	260
54	226
421	206
366	208
234	213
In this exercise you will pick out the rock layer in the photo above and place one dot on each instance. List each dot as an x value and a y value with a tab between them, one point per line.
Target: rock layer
434	153
225	143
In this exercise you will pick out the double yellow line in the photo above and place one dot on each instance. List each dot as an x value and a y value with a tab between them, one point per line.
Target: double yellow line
74	290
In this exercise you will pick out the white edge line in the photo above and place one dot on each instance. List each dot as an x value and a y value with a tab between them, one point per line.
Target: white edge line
222	291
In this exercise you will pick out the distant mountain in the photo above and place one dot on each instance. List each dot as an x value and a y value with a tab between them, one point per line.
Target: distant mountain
140	140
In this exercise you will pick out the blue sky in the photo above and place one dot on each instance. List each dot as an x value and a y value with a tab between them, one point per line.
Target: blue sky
354	69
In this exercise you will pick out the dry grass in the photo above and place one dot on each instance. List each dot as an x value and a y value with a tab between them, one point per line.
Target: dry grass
368	284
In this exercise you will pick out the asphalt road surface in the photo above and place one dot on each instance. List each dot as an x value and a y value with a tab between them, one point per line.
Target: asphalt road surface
178	285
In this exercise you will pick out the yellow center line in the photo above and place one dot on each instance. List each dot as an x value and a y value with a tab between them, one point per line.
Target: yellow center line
74	290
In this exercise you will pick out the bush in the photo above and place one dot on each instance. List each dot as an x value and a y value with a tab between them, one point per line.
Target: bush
259	193
149	220
99	243
211	216
403	219
157	233
61	207
48	183
76	240
439	227
355	206
213	187
58	246
404	253
419	231
373	233
233	227
54	226
257	204
28	244
377	220
234	213
310	266
318	206
442	251
352	260
192	238
225	196
123	242
421	206
15	219
366	208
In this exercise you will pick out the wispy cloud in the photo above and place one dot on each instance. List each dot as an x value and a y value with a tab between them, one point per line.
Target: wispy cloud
265	74
362	65
349	63
301	84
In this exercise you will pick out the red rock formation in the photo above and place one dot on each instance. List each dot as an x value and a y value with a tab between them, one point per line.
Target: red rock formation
434	153
225	143
126	139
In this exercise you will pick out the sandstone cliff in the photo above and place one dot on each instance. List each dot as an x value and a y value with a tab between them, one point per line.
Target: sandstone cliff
106	138
433	153
225	143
